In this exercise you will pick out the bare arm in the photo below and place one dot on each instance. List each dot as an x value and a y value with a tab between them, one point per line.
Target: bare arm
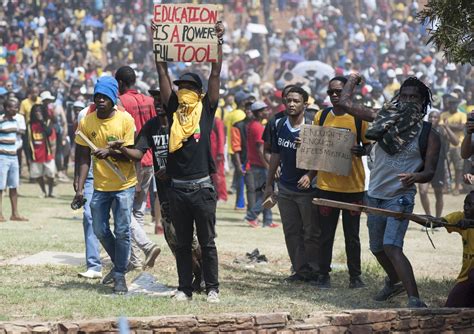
452	138
356	110
82	165
214	77
272	168
431	161
261	155
132	153
466	145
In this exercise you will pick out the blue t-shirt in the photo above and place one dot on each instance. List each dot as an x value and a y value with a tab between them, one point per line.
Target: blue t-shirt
284	144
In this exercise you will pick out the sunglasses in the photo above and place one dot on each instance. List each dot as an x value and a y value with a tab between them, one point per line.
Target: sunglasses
332	91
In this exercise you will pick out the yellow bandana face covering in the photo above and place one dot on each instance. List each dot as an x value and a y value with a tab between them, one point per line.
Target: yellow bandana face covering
185	119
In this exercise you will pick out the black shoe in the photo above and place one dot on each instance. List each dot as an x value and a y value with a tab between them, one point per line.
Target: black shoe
415	302
389	291
120	285
323	282
109	278
356	283
294	278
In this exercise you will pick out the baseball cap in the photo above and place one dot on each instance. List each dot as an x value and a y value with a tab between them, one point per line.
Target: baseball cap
192	78
241	96
258	105
46	95
450	67
155	89
391	73
79	104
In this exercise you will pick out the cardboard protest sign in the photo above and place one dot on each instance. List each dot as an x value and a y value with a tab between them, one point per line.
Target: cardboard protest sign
326	149
185	33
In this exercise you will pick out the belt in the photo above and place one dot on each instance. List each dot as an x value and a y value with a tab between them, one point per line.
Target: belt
192	185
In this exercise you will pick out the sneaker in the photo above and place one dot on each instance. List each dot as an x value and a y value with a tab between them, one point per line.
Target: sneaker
180	296
151	256
92	274
323	282
272	225
213	296
356	283
109	278
120	285
294	278
134	266
389	291
253	223
415	302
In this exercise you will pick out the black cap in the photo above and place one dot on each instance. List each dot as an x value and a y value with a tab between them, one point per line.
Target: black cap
154	90
192	78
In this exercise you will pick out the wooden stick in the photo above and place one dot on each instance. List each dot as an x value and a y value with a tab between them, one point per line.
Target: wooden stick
371	210
109	163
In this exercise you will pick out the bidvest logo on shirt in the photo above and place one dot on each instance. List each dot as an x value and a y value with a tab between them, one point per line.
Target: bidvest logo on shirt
286	143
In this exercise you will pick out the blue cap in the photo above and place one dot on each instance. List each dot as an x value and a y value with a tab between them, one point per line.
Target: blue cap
258	105
241	96
108	86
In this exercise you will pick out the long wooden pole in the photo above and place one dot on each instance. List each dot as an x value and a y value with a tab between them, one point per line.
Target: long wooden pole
109	163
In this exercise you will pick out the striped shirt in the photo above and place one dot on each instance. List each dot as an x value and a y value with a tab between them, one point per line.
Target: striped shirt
8	131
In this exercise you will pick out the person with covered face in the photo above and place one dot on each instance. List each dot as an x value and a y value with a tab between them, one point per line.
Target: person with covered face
192	195
406	152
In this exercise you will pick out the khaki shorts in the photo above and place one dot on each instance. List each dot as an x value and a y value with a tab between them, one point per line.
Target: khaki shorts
40	169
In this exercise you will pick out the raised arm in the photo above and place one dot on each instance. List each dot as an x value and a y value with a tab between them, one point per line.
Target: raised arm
214	77
466	145
166	88
356	110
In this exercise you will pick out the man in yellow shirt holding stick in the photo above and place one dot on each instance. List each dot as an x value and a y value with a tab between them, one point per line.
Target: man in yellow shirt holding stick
110	130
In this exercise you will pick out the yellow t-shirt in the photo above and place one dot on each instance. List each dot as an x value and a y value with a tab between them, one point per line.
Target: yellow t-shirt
355	181
25	107
96	49
100	131
456	118
467	243
230	119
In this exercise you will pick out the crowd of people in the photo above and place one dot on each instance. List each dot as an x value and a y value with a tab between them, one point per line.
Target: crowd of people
61	71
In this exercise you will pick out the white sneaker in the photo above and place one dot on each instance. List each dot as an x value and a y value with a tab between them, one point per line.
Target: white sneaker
92	274
213	297
180	296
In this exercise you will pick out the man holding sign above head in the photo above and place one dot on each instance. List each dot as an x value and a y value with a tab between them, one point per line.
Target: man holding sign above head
348	189
192	195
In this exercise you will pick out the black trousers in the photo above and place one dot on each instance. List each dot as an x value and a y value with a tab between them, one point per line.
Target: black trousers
328	218
189	207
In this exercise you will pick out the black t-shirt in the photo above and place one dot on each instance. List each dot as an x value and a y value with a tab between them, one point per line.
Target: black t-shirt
154	136
193	160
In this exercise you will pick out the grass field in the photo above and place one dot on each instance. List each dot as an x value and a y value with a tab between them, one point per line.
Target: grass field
55	292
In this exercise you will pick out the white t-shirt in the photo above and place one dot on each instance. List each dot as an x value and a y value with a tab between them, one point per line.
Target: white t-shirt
20	120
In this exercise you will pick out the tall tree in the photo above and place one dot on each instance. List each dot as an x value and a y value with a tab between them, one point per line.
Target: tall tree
450	24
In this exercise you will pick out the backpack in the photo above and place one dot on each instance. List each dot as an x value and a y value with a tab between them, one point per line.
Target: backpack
423	141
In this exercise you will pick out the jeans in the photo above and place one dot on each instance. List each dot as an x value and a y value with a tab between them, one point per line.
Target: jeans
92	244
117	245
301	230
328	219
189	207
140	240
255	179
388	230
